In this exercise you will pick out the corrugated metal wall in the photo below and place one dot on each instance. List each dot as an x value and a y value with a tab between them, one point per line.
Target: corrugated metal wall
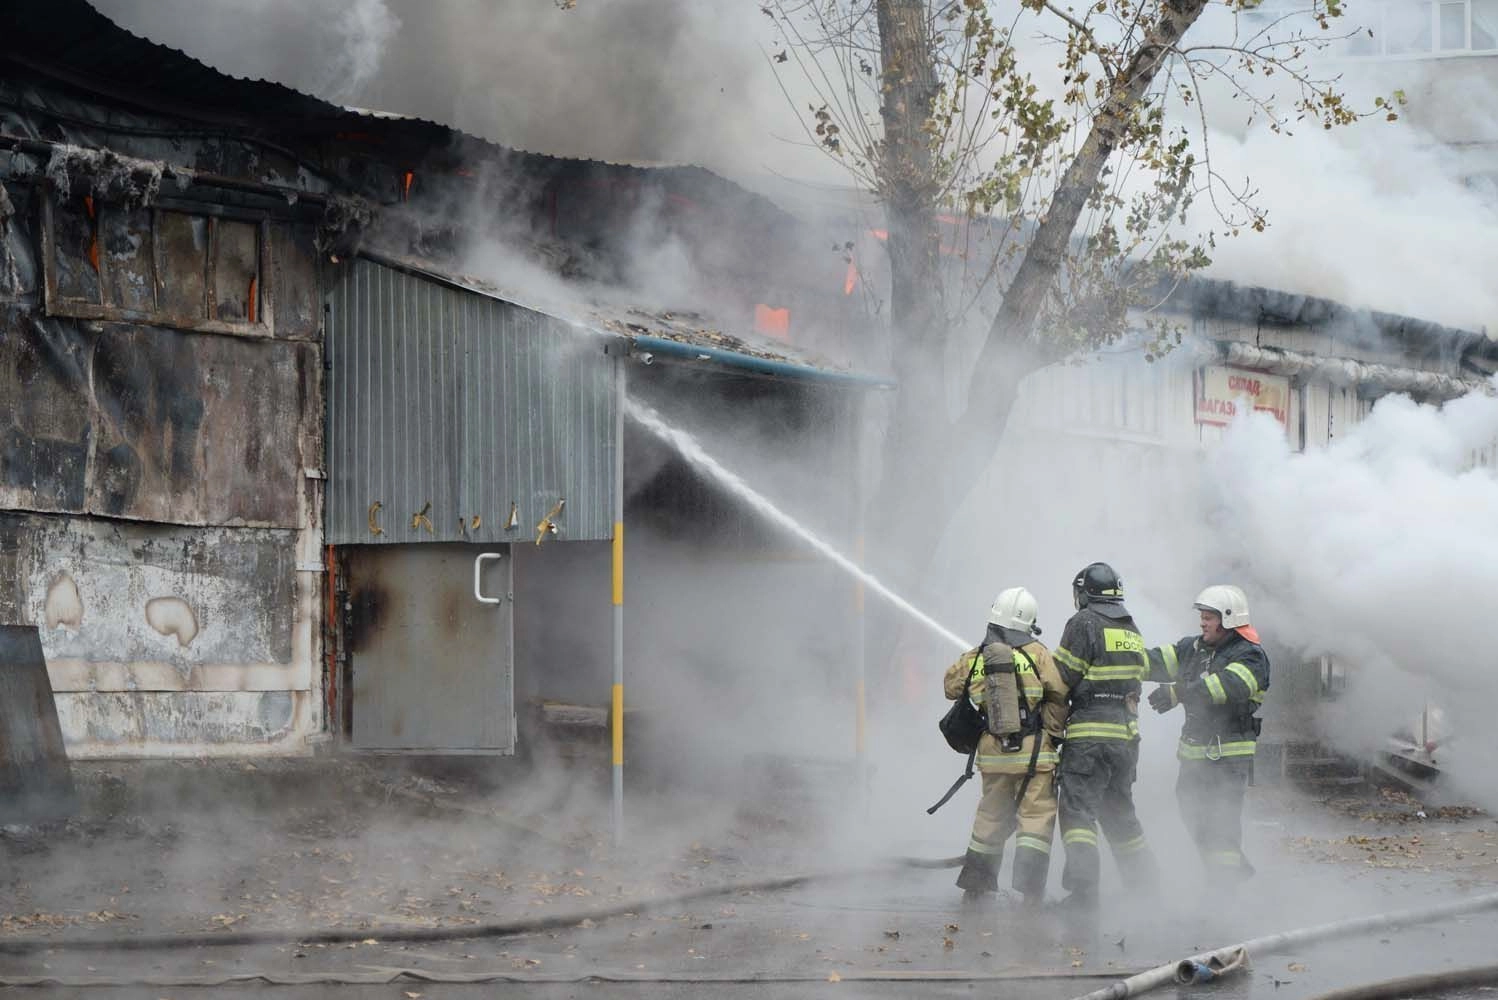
446	397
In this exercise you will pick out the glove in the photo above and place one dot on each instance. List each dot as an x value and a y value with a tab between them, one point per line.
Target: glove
1163	698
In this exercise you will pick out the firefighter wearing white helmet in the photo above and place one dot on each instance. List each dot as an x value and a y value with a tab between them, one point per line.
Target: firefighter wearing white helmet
1219	677
1012	678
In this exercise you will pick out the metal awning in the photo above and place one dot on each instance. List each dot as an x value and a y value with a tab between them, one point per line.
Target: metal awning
651	333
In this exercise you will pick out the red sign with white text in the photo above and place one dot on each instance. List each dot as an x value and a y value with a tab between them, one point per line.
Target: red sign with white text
1223	393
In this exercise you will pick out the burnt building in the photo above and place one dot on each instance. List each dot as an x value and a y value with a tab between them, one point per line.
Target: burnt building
262	422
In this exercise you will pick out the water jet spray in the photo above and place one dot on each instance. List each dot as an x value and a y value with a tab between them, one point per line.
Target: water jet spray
691	449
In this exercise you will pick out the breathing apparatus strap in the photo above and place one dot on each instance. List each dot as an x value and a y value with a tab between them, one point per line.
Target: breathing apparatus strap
967	775
1037	728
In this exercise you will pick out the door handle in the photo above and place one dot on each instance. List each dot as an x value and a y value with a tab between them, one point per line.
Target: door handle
478	570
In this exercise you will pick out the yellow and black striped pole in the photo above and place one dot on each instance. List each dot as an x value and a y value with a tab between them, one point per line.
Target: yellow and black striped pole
616	701
860	691
856	408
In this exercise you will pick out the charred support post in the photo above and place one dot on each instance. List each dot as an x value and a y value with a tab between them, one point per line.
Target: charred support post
36	783
617	700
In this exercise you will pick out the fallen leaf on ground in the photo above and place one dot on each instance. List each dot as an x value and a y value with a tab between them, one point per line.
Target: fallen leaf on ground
1296	967
833	977
17	922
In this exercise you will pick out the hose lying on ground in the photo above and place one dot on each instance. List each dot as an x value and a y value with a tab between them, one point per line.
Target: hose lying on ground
1190	972
1414	986
240	939
1271	943
386	977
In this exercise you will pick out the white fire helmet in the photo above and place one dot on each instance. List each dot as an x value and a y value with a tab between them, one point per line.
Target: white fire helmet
1228	601
1015	609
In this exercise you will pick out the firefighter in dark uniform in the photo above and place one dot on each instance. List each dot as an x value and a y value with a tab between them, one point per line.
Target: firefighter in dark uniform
1220	677
1102	662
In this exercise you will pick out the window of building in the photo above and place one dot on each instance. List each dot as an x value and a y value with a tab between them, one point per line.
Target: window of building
195	268
1424	27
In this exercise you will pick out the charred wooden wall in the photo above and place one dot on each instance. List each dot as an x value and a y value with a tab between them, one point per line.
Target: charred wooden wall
160	438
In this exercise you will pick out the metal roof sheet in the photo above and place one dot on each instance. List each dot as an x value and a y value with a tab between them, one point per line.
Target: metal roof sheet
654	330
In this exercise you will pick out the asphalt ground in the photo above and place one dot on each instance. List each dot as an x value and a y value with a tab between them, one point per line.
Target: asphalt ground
894	933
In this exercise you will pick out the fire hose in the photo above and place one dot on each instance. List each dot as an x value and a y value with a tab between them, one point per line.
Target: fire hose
515	928
1201	968
1211	964
391	976
1415	986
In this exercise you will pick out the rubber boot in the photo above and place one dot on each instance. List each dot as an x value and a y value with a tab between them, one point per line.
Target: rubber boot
979	876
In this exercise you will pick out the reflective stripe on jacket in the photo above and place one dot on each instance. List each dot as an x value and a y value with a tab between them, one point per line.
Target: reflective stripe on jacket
1042	688
1102	660
1221	687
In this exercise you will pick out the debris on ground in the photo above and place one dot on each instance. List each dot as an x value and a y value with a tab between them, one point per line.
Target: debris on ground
1468	851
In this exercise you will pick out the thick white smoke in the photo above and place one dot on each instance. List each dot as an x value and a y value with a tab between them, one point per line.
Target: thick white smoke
334	50
364	28
667	81
1381	550
1376	216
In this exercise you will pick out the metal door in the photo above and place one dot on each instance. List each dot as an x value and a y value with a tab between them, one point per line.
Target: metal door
432	665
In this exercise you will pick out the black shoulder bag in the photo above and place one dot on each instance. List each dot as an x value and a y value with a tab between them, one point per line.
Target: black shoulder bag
962	727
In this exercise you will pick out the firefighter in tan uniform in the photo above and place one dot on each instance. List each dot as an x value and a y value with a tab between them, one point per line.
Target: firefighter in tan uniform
1018	770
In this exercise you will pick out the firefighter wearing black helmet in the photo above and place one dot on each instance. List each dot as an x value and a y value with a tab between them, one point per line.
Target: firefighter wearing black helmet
1102	661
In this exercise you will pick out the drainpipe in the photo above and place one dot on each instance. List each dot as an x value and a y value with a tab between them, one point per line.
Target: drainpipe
1345	371
188	175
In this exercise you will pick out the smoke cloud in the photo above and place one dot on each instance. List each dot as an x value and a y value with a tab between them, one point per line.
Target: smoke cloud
1377	216
625	80
1378	549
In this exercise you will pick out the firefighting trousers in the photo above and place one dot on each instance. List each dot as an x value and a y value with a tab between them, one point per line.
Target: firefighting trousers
1210	794
1096	789
999	817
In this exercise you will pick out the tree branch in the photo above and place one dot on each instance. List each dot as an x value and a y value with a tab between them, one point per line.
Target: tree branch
1013	325
1082	28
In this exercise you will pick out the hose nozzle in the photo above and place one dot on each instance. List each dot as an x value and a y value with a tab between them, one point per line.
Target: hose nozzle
1191	971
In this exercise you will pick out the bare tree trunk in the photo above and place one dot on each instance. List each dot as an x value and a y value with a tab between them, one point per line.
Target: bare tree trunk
906	172
930	461
909	489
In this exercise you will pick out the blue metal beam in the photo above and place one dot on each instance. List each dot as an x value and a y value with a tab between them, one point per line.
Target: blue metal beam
749	363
